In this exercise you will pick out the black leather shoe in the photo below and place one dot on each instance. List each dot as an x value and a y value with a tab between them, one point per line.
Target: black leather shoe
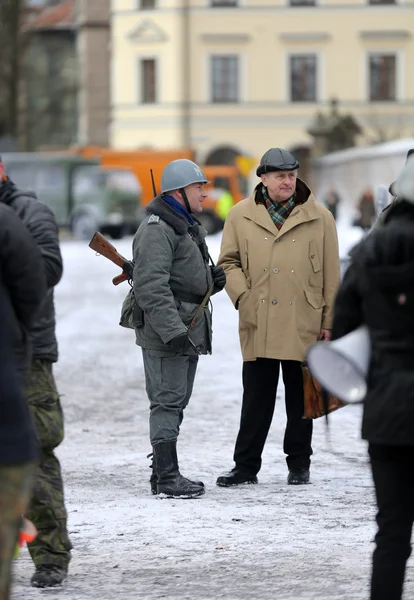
298	476
48	576
235	477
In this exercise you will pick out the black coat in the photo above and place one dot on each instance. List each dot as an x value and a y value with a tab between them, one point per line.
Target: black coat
22	290
378	291
41	222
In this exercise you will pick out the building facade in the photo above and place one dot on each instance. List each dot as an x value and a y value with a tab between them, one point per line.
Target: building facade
239	76
67	79
93	50
51	77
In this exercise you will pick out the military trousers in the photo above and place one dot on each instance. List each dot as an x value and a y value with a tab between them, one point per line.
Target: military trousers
169	383
47	508
16	483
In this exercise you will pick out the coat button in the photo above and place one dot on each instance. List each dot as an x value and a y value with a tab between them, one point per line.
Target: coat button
278	240
263	300
293	270
274	301
265	238
275	270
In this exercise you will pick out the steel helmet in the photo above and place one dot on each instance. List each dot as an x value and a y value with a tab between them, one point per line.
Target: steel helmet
277	159
180	173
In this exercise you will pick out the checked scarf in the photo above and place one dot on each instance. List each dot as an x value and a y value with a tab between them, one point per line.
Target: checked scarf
280	211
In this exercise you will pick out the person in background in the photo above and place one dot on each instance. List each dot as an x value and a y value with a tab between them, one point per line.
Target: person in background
224	204
367	211
22	290
378	292
280	254
332	201
50	550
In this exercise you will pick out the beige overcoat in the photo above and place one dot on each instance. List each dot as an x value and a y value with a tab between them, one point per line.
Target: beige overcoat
283	282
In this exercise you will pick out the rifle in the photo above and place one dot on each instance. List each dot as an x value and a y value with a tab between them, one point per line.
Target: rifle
154	189
102	246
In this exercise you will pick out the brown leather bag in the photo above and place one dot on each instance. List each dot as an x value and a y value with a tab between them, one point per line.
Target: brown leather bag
314	406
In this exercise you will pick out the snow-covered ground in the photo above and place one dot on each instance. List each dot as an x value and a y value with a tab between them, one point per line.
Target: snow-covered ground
265	542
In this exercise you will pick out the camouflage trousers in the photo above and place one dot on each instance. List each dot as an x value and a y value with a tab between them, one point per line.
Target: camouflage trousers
15	488
47	510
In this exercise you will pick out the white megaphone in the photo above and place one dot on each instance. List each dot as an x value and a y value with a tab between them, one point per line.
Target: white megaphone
341	366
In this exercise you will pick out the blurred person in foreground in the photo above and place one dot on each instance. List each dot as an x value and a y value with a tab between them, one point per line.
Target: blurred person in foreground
22	289
393	207
279	251
172	280
50	551
378	291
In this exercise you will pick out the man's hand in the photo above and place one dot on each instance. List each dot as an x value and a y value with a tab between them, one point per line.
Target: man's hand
180	344
325	335
219	278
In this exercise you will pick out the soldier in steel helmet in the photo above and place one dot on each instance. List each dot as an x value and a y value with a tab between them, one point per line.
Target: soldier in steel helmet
172	279
280	254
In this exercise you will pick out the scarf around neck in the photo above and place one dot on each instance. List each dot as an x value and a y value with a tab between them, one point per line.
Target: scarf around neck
280	211
178	207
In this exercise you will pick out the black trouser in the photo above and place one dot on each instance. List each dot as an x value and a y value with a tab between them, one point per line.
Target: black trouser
393	473
260	379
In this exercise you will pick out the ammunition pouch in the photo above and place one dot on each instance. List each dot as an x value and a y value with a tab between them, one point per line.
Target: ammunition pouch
132	315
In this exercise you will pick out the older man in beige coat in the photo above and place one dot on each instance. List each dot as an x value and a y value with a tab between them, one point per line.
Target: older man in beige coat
280	254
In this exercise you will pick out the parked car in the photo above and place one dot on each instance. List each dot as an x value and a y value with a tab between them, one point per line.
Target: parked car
84	196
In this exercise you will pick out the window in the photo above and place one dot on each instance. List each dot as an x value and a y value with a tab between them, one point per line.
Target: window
224	3
148	81
302	2
303	78
225	78
381	2
146	4
382	77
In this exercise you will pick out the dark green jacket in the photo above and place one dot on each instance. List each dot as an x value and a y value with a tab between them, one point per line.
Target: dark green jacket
171	277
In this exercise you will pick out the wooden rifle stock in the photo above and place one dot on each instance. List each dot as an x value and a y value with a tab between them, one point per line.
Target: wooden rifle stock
102	246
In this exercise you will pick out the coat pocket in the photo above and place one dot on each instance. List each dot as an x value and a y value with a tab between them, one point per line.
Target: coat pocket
247	310
245	263
314	256
315	299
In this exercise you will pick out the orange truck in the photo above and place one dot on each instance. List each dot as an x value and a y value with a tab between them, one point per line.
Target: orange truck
222	178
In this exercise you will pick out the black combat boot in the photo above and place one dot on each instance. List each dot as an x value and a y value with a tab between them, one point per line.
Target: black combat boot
48	576
171	484
298	476
153	479
235	477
